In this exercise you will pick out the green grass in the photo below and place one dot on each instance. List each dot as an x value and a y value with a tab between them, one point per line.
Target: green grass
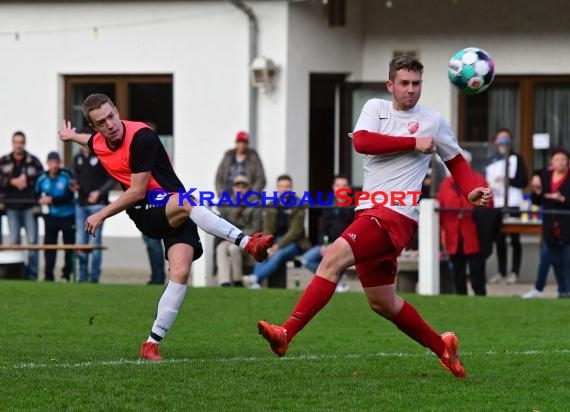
74	347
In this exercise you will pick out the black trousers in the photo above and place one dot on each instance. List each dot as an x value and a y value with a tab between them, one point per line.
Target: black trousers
502	253
476	263
53	225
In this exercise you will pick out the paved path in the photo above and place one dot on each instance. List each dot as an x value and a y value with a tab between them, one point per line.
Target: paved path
127	276
550	291
516	290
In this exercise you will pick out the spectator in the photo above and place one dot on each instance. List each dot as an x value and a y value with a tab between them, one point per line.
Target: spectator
229	258
55	188
287	225
94	184
242	160
435	175
507	193
19	171
544	264
334	221
2	213
430	186
551	189
155	252
460	237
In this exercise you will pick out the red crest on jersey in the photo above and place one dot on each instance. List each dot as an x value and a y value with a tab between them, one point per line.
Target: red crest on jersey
413	126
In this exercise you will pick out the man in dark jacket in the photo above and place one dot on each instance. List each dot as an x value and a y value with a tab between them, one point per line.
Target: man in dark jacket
19	171
287	225
241	160
334	221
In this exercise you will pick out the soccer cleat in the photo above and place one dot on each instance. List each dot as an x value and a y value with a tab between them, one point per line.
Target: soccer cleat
450	358
275	335
257	246
149	351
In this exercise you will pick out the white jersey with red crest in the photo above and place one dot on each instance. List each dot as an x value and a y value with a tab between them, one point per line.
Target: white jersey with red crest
401	171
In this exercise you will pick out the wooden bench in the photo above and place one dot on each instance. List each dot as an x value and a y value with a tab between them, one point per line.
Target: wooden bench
407	277
405	281
58	246
517	226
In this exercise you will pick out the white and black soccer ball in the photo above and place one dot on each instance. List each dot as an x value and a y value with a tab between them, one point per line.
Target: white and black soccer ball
472	70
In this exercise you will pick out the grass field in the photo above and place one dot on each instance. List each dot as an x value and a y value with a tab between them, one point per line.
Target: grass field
74	347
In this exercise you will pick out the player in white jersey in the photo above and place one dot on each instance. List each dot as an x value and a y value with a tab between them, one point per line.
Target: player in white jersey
401	171
397	139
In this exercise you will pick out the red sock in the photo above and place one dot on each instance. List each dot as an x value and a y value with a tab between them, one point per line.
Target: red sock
315	297
409	321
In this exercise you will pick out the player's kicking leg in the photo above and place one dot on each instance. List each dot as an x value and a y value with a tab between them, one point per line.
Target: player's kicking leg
256	245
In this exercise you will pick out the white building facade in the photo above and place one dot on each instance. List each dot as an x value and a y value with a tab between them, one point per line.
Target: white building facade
196	53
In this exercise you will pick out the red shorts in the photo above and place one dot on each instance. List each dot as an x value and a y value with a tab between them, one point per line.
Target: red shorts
377	236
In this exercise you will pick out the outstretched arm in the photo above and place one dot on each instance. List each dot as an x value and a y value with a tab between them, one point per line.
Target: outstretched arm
463	177
67	133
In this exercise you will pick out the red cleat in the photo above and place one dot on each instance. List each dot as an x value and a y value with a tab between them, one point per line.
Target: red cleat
275	335
258	245
450	358
149	351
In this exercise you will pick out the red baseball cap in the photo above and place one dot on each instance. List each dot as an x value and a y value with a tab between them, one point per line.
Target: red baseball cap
242	136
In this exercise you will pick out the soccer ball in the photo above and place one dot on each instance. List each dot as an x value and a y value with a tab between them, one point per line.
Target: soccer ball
472	70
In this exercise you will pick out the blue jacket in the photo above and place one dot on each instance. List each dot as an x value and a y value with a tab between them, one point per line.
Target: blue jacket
63	204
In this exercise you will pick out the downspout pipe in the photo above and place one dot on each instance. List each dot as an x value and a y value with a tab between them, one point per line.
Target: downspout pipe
253	50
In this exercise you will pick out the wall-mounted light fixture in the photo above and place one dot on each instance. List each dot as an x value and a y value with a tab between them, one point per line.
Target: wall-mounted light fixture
263	73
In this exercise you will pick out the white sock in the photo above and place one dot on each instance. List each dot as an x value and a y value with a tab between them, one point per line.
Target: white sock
217	226
168	306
